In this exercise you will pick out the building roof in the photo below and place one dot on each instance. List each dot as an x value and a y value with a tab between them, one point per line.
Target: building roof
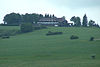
60	19
52	20
47	20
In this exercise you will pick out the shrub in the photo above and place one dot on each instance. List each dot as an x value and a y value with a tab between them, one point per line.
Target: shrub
74	37
4	37
92	39
26	27
93	56
53	33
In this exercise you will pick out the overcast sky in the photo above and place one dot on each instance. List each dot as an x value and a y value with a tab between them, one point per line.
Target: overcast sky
67	8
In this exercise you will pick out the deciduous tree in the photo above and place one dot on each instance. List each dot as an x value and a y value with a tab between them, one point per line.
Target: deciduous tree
76	20
12	19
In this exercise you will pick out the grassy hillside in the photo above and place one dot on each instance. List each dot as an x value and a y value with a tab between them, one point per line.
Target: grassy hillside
35	49
9	30
9	27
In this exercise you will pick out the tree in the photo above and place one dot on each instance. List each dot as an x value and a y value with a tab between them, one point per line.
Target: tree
53	16
17	19
64	24
12	19
91	23
27	18
63	17
76	20
26	27
47	16
36	17
40	16
96	25
85	21
31	17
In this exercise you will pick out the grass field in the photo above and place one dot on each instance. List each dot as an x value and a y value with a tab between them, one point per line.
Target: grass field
35	49
9	27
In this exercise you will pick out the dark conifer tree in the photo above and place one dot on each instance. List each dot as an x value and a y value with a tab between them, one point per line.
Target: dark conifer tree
85	21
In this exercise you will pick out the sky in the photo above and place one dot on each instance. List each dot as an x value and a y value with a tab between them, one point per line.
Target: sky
59	8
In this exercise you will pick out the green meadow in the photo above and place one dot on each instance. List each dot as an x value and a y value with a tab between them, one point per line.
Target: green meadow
35	49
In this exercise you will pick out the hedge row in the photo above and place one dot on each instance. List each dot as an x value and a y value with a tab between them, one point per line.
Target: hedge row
53	33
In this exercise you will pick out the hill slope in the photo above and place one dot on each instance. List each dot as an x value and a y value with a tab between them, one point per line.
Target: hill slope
35	49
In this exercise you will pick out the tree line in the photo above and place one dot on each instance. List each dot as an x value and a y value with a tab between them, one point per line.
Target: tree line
84	23
17	19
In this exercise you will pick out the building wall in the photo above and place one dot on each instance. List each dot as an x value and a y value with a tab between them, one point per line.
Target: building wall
47	23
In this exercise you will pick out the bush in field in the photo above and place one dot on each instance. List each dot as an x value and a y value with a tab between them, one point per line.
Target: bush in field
92	39
74	37
26	27
53	33
93	56
5	37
